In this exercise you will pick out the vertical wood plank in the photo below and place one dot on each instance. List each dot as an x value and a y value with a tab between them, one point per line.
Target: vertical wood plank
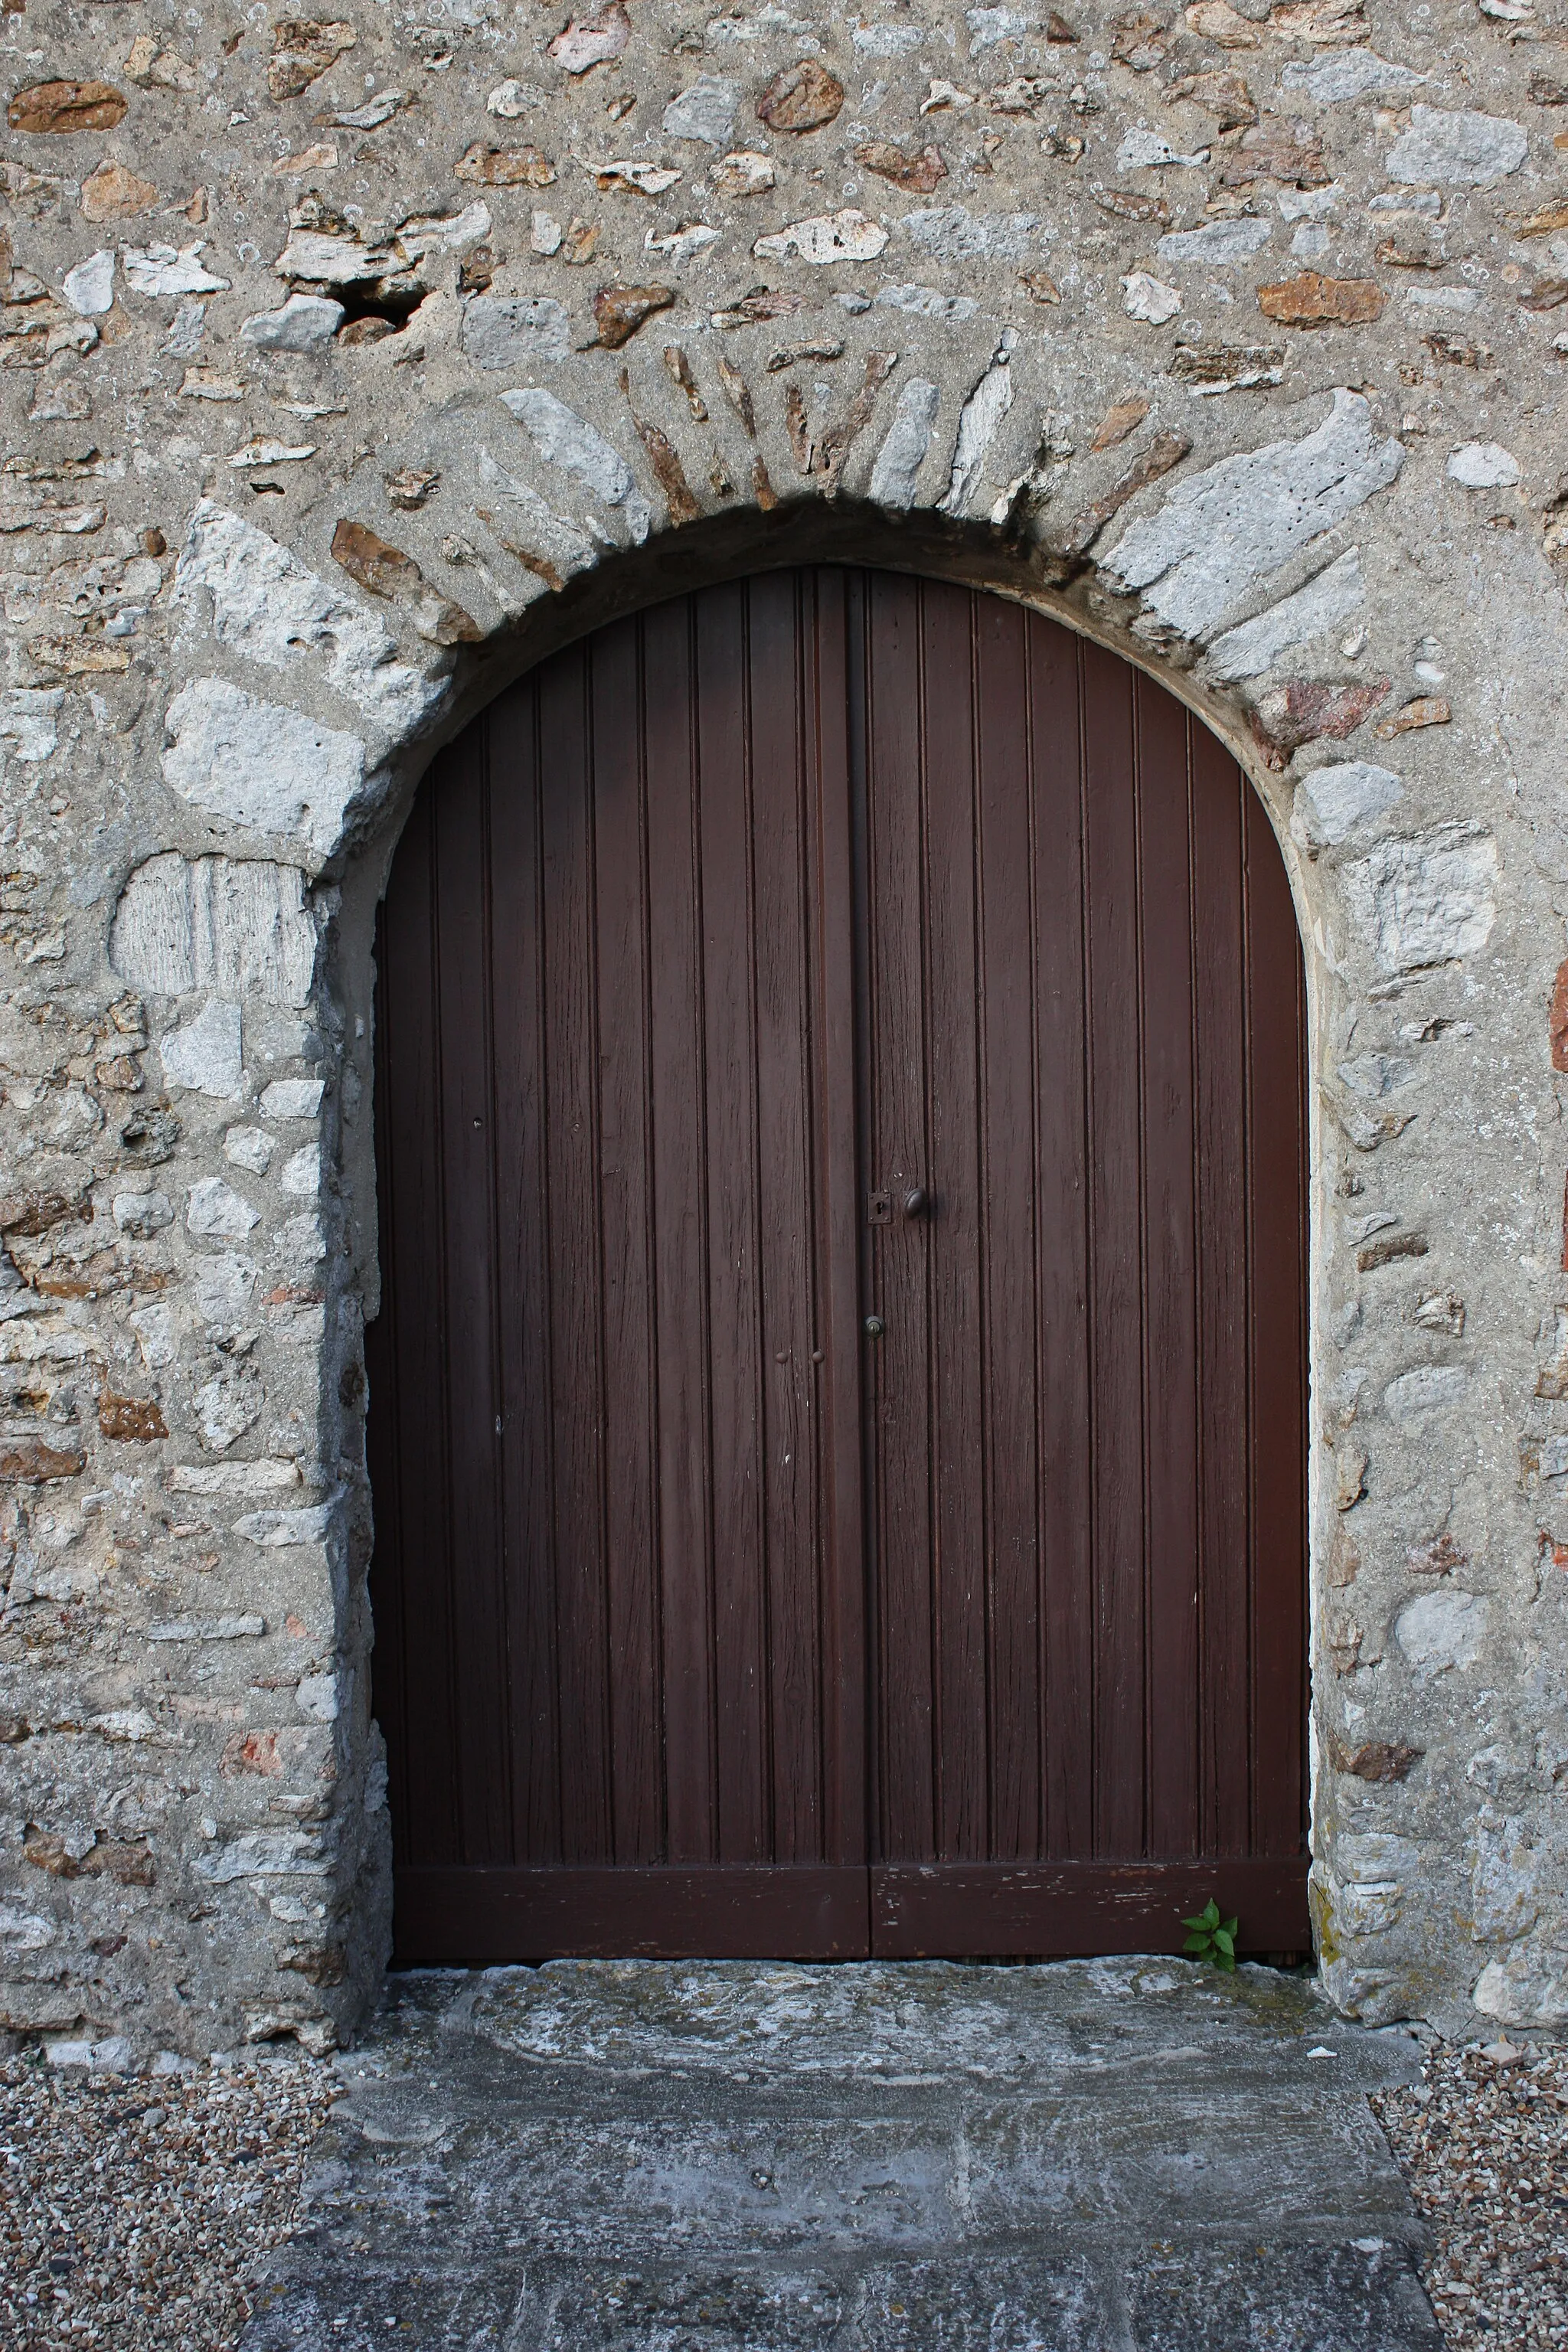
833	688
576	1287
1064	1342
786	1052
467	1245
620	913
891	752
1116	1268
947	1248
1010	1401
680	1213
730	1091
1171	1538
523	1263
1224	1434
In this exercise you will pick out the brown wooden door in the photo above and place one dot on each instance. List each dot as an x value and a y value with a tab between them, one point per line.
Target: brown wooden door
710	1619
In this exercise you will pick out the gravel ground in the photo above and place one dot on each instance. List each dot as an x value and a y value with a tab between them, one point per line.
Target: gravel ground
131	2206
1483	2141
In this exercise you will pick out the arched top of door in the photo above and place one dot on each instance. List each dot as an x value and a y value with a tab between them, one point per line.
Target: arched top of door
998	561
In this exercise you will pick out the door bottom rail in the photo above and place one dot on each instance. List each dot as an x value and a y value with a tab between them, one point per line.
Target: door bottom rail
457	1915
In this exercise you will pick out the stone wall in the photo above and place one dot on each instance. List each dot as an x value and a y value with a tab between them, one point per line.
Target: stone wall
346	366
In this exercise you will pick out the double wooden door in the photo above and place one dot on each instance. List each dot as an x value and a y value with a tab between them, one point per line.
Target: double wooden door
838	1411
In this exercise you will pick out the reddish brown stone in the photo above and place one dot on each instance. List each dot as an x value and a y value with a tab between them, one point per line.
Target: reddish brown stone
1126	203
504	167
805	96
302	52
1224	95
1304	710
386	571
917	173
663	456
1122	417
1441	1557
1549	295
1386	1248
131	1418
620	310
1558	1020
1289	153
1313	300
1412	253
1167	449
30	1459
251	1751
1375	1760
131	1865
1427	710
37	1212
68	106
112	192
763	302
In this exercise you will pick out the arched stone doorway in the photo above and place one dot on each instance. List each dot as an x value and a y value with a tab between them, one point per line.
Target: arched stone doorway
838	1410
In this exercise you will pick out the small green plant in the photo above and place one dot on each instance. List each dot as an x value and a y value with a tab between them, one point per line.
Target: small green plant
1212	1937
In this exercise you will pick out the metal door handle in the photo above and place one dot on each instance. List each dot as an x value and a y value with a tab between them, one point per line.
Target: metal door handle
917	1202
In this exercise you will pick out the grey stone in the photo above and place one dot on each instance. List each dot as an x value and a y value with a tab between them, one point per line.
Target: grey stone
89	287
510	331
704	111
926	302
238	926
1426	900
903	450
1458	150
978	420
1256	644
1483	466
952	233
1338	78
268	605
29	721
1219	532
1443	1630
1217	243
283	1530
1431	1388
142	1214
291	1099
263	764
215	1209
204	1055
564	438
304	323
866	2158
1333	801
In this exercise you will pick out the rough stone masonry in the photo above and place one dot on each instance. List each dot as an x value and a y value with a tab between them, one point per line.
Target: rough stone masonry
347	366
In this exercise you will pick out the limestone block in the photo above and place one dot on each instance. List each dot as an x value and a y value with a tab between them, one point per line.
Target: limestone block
273	609
1442	1630
262	765
238	926
1220	532
1426	900
205	1055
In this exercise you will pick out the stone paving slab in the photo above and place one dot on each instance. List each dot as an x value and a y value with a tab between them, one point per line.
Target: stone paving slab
738	2156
